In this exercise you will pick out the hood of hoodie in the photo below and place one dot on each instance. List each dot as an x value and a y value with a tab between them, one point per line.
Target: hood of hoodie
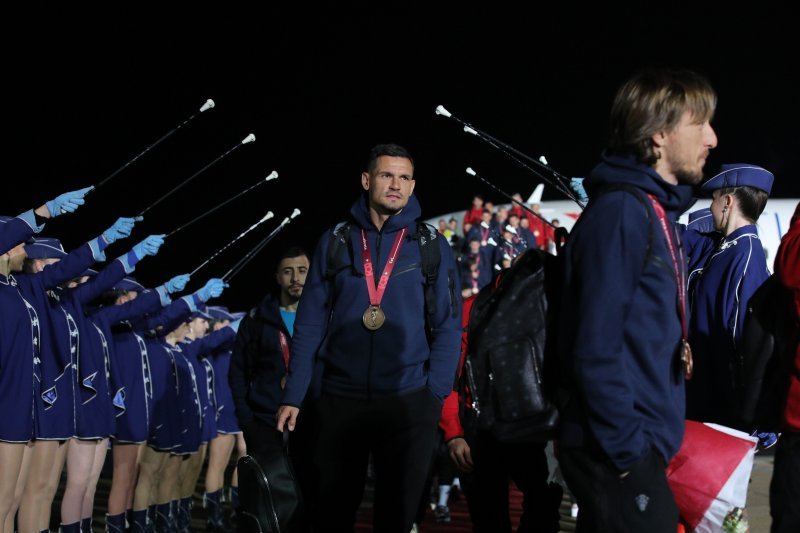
269	310
619	169
411	212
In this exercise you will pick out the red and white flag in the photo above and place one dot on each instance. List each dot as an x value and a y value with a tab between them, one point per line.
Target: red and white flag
710	474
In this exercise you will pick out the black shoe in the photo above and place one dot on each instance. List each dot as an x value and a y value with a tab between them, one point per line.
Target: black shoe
217	526
442	514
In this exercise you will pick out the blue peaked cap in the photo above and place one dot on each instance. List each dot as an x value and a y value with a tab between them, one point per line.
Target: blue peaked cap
740	175
45	248
201	312
220	312
128	284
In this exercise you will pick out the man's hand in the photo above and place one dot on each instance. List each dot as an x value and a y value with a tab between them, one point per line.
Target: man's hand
287	415
460	454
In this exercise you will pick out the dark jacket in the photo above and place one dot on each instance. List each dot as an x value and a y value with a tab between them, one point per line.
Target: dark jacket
620	326
396	358
257	364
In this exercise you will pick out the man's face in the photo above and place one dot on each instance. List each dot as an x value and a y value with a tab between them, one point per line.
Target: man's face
291	276
390	185
685	149
477	202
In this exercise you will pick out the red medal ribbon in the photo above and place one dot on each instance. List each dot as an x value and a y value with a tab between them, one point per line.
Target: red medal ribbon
284	348
680	278
376	295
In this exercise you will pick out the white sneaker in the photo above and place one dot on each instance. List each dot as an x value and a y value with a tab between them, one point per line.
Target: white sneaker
573	512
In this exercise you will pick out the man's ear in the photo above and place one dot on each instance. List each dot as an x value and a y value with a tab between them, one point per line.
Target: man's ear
365	180
659	139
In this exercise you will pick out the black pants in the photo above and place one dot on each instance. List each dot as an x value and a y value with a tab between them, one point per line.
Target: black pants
486	488
400	432
442	469
784	489
641	501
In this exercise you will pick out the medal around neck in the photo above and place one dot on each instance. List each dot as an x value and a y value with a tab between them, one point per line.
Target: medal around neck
373	317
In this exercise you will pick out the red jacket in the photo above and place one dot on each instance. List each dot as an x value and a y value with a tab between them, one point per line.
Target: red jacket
473	216
787	268
449	421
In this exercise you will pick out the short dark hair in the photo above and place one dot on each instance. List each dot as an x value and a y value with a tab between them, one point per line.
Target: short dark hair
379	150
292	251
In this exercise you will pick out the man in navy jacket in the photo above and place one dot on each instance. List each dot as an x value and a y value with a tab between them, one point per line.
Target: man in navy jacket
387	366
623	317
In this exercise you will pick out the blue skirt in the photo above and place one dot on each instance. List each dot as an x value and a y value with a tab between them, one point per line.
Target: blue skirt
131	389
226	414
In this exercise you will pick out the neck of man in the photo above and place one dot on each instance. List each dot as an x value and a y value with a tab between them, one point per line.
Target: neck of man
379	216
289	302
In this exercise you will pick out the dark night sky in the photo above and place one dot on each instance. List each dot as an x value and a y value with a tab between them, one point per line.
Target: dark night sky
83	98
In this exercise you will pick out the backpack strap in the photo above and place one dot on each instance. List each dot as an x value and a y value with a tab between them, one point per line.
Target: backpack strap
430	255
639	194
340	240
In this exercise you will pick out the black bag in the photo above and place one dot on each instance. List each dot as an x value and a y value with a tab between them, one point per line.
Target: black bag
765	358
508	367
269	495
512	374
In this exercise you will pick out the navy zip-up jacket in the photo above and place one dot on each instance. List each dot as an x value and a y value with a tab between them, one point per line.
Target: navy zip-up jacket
257	364
620	325
396	358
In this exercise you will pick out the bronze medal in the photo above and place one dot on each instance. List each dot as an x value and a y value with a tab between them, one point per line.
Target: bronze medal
483	243
373	317
686	359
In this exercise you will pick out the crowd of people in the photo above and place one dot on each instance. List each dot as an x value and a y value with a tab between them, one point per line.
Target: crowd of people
356	350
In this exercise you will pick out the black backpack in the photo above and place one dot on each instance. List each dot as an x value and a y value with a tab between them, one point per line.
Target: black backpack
512	376
509	365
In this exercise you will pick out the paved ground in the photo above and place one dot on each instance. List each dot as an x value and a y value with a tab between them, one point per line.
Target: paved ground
758	494
757	506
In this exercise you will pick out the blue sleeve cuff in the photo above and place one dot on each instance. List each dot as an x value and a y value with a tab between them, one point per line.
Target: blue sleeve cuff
51	206
190	301
30	219
164	295
128	261
97	250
